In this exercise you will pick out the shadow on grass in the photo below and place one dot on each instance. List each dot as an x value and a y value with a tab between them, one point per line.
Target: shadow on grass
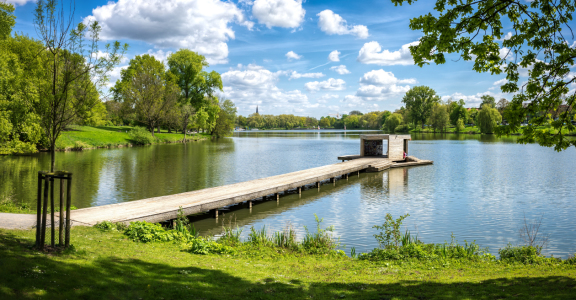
24	275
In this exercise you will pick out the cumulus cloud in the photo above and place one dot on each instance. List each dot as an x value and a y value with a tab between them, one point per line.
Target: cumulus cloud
279	13
378	85
332	23
330	84
327	97
473	100
334	55
253	84
357	103
292	55
296	75
371	53
341	69
198	25
160	55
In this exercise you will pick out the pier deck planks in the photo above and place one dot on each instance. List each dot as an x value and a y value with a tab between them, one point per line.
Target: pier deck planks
166	207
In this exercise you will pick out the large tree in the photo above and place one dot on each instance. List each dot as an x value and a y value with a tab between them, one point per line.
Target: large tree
74	71
148	89
420	100
488	118
226	119
197	85
540	43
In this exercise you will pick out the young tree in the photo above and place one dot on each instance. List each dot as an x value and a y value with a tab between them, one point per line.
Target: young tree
147	88
487	119
538	44
420	100
502	105
458	112
459	125
72	68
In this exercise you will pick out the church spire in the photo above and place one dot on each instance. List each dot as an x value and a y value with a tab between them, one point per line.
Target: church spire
256	109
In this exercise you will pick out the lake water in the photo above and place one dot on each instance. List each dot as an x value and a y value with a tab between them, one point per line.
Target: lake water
479	188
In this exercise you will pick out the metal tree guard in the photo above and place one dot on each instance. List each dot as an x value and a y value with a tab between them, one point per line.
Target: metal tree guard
49	179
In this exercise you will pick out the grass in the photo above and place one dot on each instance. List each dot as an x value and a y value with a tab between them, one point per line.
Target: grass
87	137
106	265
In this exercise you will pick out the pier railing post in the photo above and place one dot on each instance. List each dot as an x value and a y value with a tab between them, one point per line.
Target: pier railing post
44	212
68	204
39	211
52	223
61	215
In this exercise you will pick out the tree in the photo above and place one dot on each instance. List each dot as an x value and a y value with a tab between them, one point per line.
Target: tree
324	122
439	117
226	119
502	104
146	87
420	100
459	125
392	122
459	112
197	85
487	99
539	45
19	124
487	119
201	118
73	68
355	112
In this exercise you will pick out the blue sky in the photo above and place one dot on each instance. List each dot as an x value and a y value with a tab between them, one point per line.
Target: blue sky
310	58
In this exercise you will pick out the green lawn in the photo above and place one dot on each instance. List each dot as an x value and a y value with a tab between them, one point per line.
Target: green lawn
105	265
111	136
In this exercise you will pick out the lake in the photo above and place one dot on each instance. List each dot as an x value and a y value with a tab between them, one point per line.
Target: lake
480	188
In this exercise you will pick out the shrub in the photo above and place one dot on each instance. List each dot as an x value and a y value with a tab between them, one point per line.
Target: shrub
145	232
259	237
109	226
286	238
521	254
141	136
205	246
389	231
320	241
402	128
459	125
79	145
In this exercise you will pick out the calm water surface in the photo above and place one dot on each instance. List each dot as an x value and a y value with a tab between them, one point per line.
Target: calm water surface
479	188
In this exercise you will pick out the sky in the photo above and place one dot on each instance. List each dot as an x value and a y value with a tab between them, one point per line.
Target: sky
308	58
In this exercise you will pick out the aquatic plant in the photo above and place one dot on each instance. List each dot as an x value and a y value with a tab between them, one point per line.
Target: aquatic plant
320	241
390	231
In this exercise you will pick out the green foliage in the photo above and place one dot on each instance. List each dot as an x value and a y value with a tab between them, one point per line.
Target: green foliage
226	119
439	117
402	128
141	136
231	236
523	254
259	237
459	125
390	231
488	100
392	122
109	226
419	101
207	246
458	111
7	205
141	231
320	241
475	31
285	238
488	118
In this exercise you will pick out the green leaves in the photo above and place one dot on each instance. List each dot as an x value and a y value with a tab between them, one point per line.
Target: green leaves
539	46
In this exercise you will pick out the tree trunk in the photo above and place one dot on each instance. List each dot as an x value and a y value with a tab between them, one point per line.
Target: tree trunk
158	128
53	157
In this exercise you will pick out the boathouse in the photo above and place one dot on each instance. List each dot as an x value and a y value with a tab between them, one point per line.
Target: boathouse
373	145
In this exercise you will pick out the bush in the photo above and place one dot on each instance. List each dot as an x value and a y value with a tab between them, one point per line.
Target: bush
79	145
205	246
109	226
402	128
141	136
320	241
141	231
459	125
521	254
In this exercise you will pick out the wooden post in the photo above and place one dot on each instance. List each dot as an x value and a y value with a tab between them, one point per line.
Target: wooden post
277	197
52	224
44	211
216	213
250	204
39	211
347	176
318	184
68	204
358	173
300	190
61	218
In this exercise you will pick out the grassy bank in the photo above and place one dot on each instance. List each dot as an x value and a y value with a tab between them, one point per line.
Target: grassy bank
86	137
109	265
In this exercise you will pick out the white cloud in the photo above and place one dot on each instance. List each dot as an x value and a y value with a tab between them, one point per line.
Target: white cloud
334	55
573	45
378	85
327	97
498	84
296	75
507	36
292	55
371	53
279	13
341	69
474	100
330	84
252	84
357	103
382	78
160	55
198	25
19	2
332	23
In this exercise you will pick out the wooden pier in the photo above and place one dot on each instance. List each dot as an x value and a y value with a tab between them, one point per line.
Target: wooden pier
371	159
165	208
